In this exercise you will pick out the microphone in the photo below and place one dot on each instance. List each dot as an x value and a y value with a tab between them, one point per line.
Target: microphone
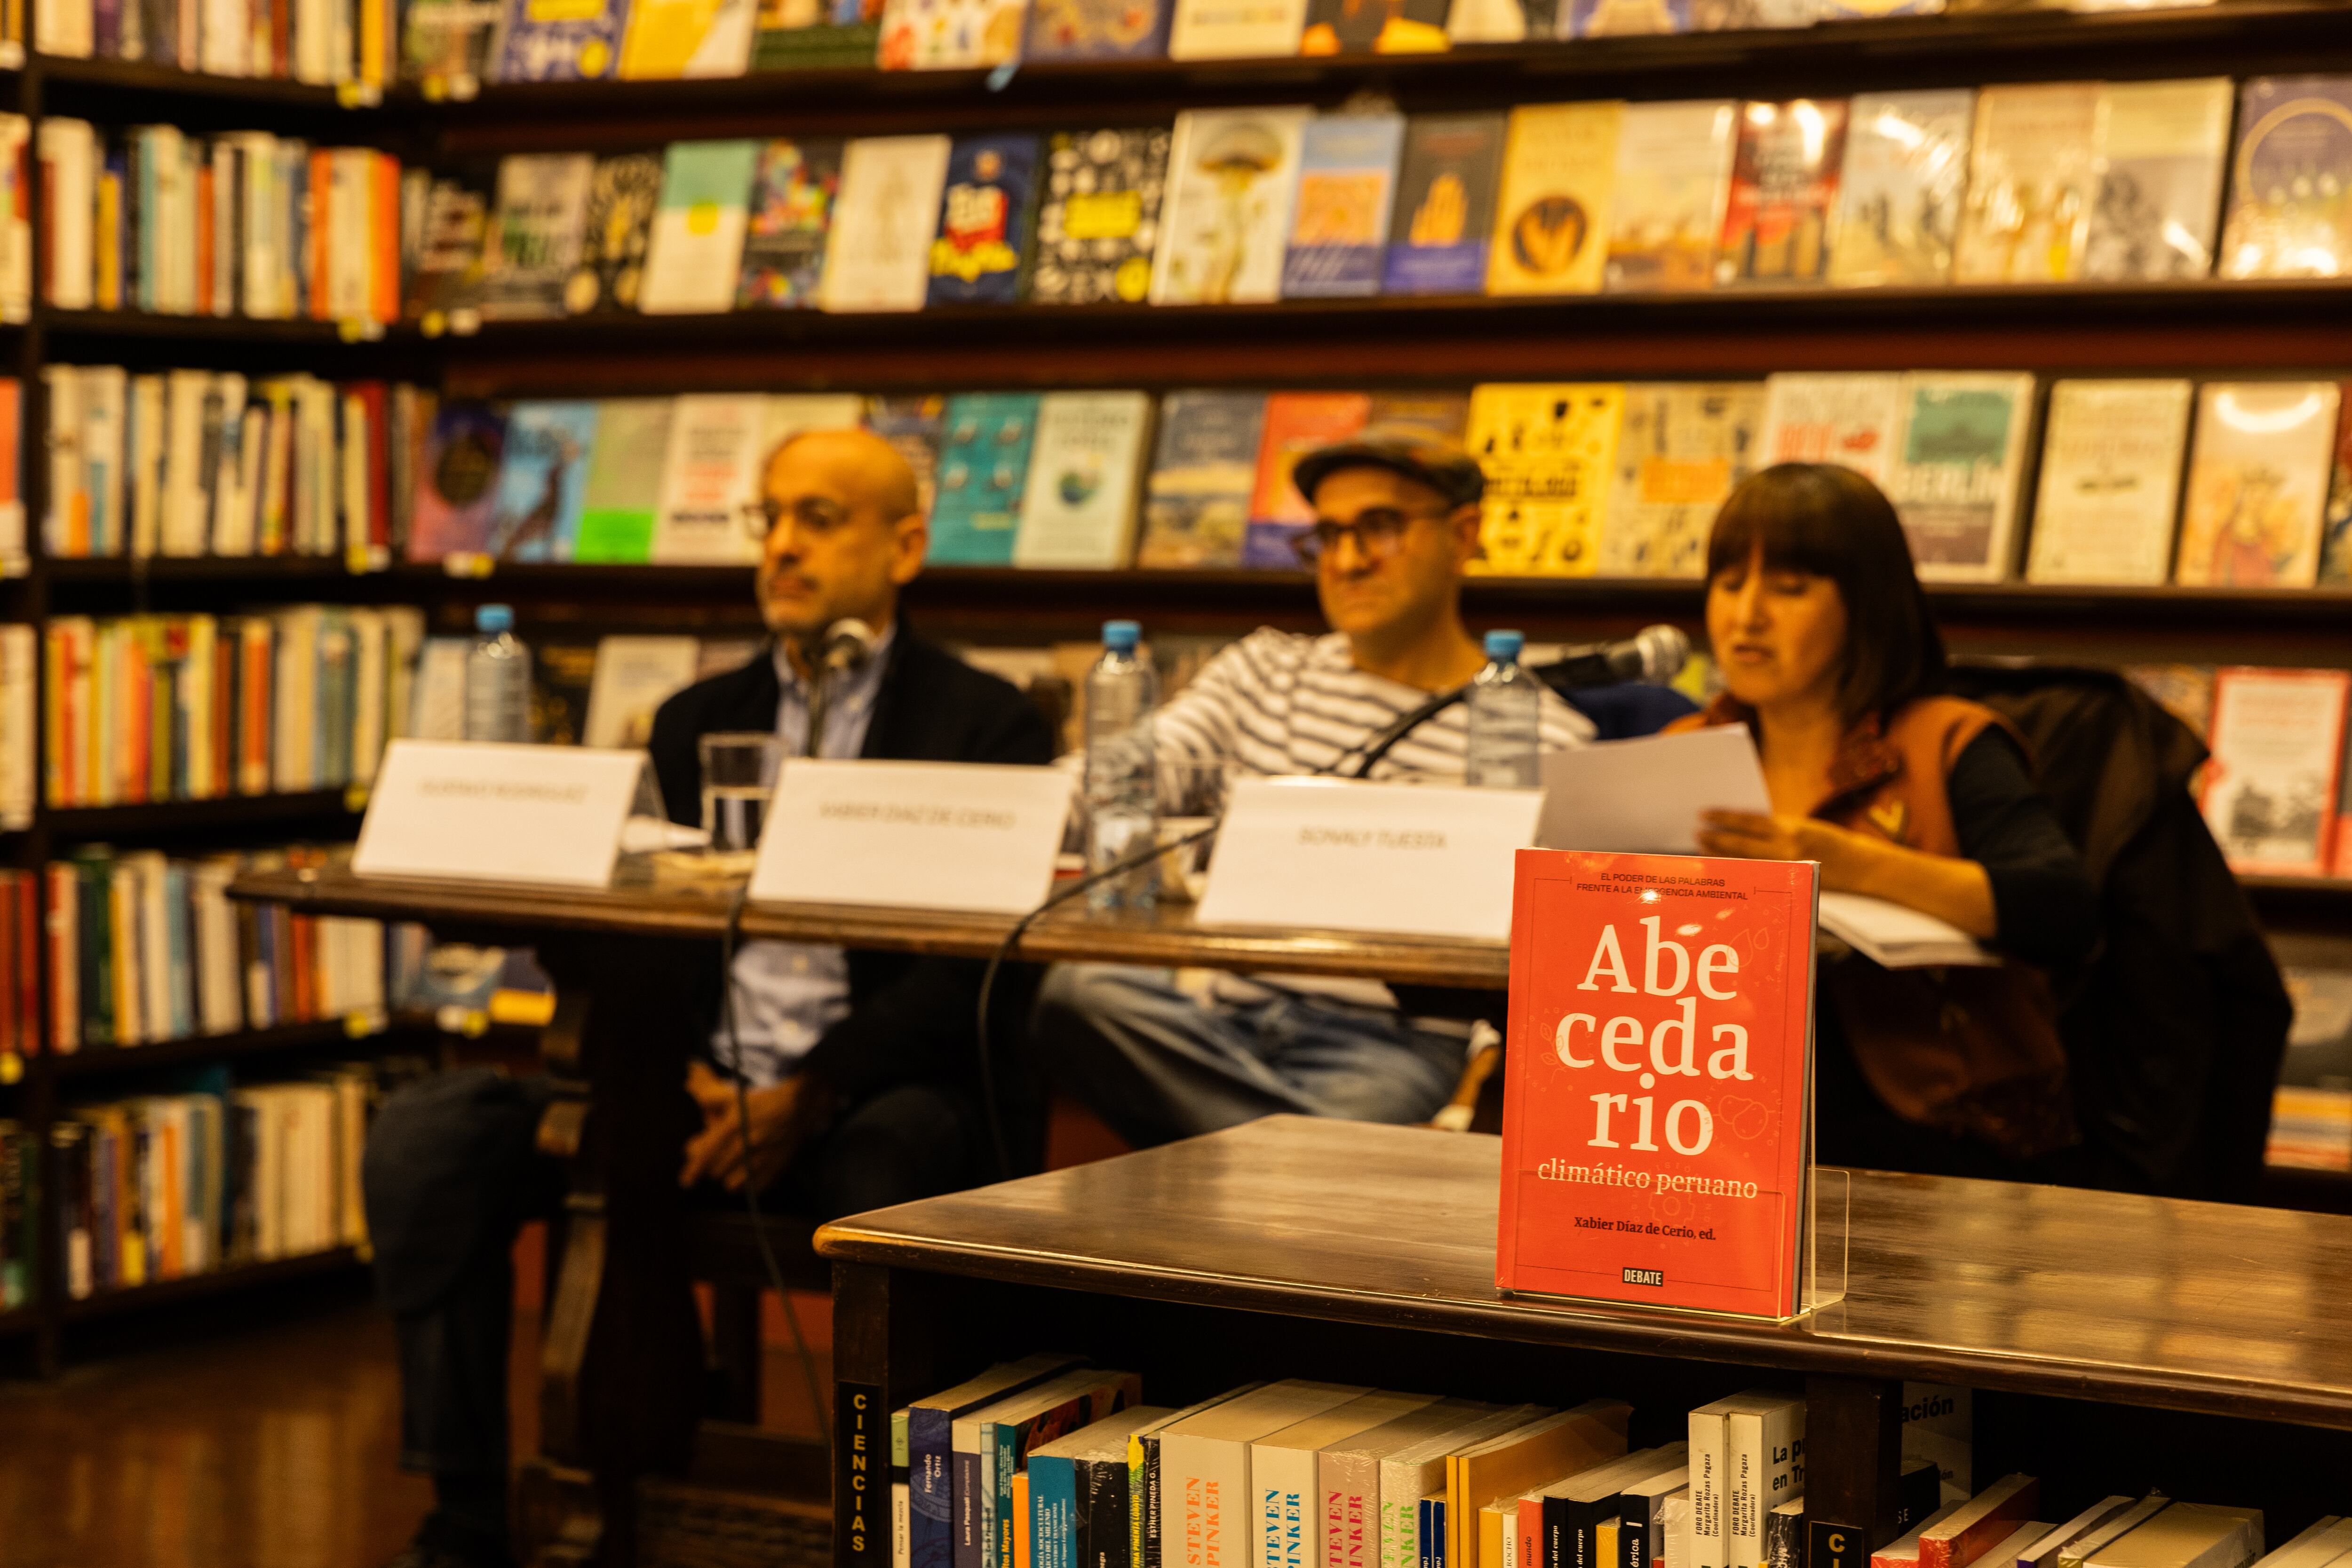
1654	654
845	645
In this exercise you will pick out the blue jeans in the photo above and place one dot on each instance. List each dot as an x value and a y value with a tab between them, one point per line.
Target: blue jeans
1158	1065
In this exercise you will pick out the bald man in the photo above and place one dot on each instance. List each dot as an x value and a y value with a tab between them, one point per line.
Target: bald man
860	1068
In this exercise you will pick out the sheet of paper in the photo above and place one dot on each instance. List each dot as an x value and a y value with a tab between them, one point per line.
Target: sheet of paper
477	811
1339	855
1645	794
913	835
1896	935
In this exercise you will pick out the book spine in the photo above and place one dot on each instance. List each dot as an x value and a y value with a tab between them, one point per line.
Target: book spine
1783	1540
930	1490
1634	1534
1706	1444
1052	1508
1284	1481
1351	1502
900	1549
1743	1486
1154	1530
1107	1507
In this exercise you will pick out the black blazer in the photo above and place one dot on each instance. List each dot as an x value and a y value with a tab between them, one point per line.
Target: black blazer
910	1017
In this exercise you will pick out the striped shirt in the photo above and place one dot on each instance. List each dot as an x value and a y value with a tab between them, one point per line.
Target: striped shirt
1281	702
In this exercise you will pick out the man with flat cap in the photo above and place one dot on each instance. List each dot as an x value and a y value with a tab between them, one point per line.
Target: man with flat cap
859	1067
1396	526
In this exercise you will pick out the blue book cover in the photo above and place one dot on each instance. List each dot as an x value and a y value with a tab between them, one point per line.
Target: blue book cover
931	1469
1097	30
983	467
543	474
1339	220
560	40
985	216
1444	204
1053	1510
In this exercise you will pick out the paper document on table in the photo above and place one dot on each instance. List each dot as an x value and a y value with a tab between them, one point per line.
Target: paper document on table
1895	937
1644	795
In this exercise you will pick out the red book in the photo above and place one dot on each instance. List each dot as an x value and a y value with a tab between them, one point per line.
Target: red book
29	961
1656	1135
1784	188
1295	425
1983	1522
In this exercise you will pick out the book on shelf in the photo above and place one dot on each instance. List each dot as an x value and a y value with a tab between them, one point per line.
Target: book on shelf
1937	1422
1082	1492
559	41
1089	30
1293	1516
1196	506
669	39
1225	219
1550	452
533	242
1681	448
815	35
2110	483
1556	1443
1402	27
877	256
1504	21
1234	30
615	231
984	474
708	477
1292	425
2259	467
445	274
2311	1109
949	35
358	42
997	1437
2033	182
793	188
1098	215
1085	468
987	212
1958	469
632	677
1441	234
694	255
911	423
2270	793
934	1480
24	931
1784	193
1552	216
457	499
2336	517
1673	171
2293	144
1205	1463
2163	147
543	470
447	43
1849	419
1902	187
620	492
1340	218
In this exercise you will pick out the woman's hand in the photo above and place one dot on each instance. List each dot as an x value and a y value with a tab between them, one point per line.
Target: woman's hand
1945	886
1750	835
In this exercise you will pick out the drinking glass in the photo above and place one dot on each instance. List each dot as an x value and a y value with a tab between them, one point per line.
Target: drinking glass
738	775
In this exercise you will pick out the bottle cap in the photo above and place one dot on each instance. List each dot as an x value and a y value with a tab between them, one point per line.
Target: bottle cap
494	618
1121	636
1503	647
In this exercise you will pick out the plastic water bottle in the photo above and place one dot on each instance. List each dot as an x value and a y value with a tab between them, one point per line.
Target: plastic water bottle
1505	723
1122	783
497	678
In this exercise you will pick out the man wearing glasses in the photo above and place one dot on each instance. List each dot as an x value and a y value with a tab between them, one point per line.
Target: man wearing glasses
859	1066
1396	526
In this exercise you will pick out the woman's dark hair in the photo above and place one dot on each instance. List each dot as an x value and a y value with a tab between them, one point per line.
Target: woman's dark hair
1832	522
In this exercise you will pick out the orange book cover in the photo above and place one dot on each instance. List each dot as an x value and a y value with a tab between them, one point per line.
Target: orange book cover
1295	425
385	233
207	255
1656	1138
305	946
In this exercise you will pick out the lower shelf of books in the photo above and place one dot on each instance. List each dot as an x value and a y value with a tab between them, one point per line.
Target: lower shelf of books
89	1063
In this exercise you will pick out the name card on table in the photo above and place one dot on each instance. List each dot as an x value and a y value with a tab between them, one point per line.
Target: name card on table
482	811
1413	860
972	836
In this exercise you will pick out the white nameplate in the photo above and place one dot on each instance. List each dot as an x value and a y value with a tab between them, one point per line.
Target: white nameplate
1412	858
487	813
970	836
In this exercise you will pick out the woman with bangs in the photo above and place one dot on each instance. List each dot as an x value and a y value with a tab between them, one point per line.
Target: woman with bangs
1828	655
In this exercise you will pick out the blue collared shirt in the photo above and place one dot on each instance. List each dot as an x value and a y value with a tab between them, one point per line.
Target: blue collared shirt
787	994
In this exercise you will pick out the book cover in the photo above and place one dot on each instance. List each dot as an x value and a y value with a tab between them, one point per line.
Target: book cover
1691	1193
793	191
2290	196
447	271
709	476
1958	468
1616	18
632	678
2259	469
621	491
1439	233
1226	223
879	256
1901	186
669	39
1235	29
1375	28
457	495
1846	418
1681	447
1551	220
815	35
1294	424
1196	503
985	214
1504	21
931	1480
1291	1516
560	40
2033	178
446	40
911	424
1784	193
1550	450
2162	146
1097	30
1564	1443
949	35
1764	1466
1348	1476
1969	1531
1098	216
2110	487
984	468
1674	167
541	476
2335	520
695	254
614	231
534	243
1339	219
1205	1461
1078	510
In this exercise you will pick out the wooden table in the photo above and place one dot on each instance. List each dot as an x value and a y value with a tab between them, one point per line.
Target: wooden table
622	1373
1293	1245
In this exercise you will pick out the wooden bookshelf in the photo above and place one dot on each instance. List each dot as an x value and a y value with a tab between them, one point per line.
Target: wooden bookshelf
217	1281
334	811
84	1065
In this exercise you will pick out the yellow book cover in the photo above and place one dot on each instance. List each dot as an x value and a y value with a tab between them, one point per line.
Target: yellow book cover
1604	1543
1562	1444
1551	222
667	39
1549	449
106	236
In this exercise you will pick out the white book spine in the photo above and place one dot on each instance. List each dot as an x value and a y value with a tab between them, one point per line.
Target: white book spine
1286	1517
1708	1439
902	1536
1204	1484
1763	1466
